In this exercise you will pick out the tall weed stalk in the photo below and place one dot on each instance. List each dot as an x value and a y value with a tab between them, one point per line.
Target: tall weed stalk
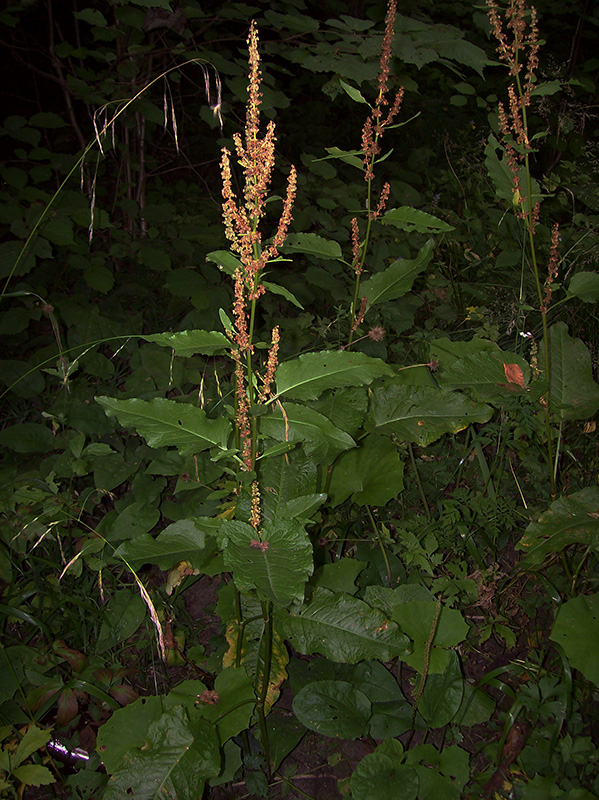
517	36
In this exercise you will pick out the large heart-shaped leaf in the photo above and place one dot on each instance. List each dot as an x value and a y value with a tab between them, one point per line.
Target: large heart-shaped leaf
370	475
277	563
178	756
343	628
442	694
309	375
576	629
333	708
164	422
381	776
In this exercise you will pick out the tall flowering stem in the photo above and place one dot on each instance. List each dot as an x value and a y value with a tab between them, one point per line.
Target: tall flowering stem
517	35
381	116
255	155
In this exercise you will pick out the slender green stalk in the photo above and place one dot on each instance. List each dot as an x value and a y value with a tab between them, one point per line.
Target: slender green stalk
426	662
268	638
427	510
381	543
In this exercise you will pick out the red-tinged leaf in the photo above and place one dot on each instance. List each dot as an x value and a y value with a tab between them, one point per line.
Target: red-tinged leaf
124	694
104	675
514	374
41	694
76	660
68	707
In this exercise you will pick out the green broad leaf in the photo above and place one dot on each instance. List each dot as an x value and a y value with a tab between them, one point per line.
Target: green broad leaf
231	710
309	375
284	732
92	16
27	437
302	508
346	408
391	712
416	619
46	119
322	440
59	230
191	343
99	277
340	576
355	94
585	286
333	708
178	756
135	520
476	707
379	776
410	219
312	245
570	520
249	643
225	261
285	481
180	541
576	629
124	614
126	730
32	740
34	775
501	175
397	279
165	422
546	88
344	629
371	474
446	351
490	377
351	157
573	394
442	694
283	292
422	414
442	774
277	564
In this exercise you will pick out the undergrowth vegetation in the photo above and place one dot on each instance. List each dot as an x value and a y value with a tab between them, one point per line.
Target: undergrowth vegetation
300	479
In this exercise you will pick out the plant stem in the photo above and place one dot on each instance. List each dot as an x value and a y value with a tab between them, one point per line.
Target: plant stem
268	629
377	533
419	482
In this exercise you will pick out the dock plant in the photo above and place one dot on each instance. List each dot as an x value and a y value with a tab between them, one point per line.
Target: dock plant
370	495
